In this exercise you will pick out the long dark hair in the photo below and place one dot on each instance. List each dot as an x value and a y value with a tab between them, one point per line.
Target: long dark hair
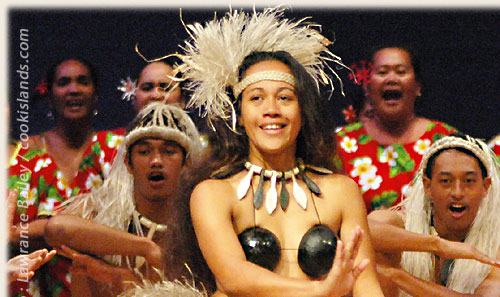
315	142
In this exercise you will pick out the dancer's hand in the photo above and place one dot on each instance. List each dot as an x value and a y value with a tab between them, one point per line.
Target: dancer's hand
24	266
460	250
341	278
94	268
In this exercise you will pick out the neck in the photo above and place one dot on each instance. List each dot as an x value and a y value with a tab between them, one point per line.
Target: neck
395	127
75	135
155	210
452	235
279	162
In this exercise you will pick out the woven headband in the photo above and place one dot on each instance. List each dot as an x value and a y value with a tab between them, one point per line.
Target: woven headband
169	122
476	146
263	75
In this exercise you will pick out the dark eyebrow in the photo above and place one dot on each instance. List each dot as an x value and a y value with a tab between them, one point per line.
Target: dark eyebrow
142	141
446	173
472	172
286	88
291	89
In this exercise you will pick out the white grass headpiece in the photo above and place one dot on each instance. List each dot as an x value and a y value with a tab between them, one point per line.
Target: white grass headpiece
484	233
166	121
216	50
163	288
113	203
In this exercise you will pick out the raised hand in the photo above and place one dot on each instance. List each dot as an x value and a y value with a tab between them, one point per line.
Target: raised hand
341	278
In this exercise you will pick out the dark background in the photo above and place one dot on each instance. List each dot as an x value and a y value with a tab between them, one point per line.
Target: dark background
460	52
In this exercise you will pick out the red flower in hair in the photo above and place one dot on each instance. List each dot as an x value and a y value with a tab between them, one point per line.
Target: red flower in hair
350	115
361	72
41	88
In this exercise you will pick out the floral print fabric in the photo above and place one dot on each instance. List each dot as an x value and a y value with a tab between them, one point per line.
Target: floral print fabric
495	146
42	188
382	172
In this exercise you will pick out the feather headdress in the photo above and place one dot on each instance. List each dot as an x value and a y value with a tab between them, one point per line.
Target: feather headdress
215	51
484	233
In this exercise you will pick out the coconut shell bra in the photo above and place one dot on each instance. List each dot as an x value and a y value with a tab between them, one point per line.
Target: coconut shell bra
316	250
315	255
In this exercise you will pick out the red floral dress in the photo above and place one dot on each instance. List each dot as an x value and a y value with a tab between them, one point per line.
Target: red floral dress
495	146
382	172
42	187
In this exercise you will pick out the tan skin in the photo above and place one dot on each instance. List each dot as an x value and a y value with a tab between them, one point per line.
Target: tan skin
394	119
456	180
155	84
218	216
73	98
70	233
23	266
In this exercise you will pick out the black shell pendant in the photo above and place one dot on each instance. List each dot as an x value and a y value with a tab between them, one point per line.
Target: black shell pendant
259	194
310	184
284	196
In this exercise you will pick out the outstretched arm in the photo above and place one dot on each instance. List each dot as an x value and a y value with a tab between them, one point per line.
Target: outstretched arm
91	237
17	233
389	236
417	287
212	218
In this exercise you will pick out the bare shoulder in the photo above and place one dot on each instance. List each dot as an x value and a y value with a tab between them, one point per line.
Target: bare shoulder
340	192
212	190
209	186
338	183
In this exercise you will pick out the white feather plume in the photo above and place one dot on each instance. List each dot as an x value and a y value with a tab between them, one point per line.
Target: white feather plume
215	51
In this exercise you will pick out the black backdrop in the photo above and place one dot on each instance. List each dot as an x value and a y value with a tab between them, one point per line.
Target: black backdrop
460	51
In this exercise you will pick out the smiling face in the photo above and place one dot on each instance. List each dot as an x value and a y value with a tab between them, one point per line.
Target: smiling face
270	113
155	85
393	88
73	91
155	164
456	189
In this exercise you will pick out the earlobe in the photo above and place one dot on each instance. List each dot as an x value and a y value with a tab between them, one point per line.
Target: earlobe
127	163
487	183
427	186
